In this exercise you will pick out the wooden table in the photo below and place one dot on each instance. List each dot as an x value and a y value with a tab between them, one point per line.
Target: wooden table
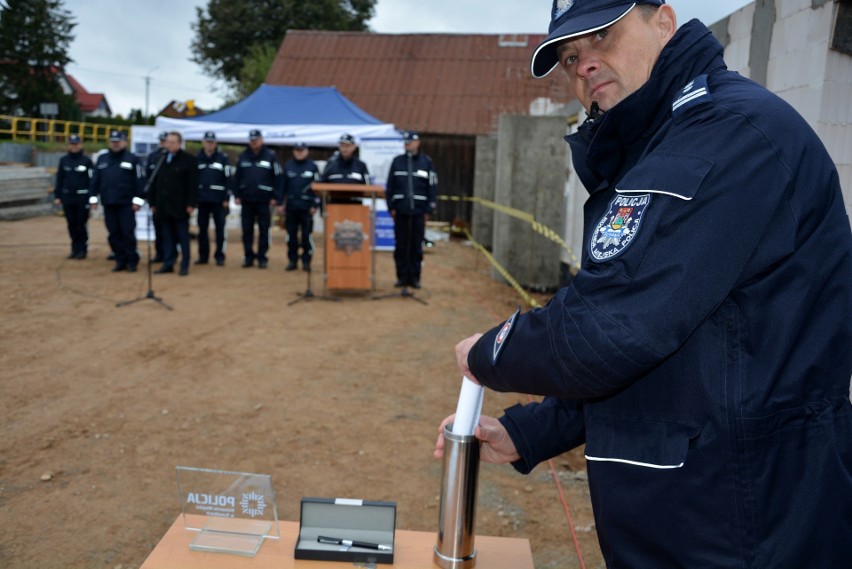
413	551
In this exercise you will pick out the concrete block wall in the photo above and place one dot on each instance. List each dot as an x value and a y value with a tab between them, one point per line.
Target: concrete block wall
484	185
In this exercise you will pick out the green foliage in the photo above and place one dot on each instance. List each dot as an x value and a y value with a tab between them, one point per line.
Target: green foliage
233	39
34	40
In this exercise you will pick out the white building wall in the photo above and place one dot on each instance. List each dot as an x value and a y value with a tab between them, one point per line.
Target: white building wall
739	30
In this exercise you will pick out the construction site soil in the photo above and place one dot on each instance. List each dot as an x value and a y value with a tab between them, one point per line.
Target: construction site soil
99	403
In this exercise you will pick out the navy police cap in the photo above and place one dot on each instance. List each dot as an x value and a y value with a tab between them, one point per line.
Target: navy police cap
300	144
571	18
346	138
116	135
254	134
210	136
74	139
410	136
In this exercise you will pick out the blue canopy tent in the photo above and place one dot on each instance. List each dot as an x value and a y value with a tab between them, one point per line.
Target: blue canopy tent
314	115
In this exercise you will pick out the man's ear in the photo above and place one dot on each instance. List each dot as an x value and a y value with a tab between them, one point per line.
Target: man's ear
666	20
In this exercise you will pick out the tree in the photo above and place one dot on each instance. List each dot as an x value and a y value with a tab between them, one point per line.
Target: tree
232	38
34	40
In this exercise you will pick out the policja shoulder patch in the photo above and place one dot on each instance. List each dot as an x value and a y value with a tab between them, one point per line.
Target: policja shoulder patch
503	336
619	226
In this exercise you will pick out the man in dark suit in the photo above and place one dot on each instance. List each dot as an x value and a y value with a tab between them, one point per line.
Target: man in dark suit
173	197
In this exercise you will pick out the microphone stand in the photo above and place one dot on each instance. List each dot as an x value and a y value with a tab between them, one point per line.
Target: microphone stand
150	294
405	293
309	294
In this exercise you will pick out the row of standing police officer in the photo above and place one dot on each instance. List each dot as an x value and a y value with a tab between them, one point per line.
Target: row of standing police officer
257	183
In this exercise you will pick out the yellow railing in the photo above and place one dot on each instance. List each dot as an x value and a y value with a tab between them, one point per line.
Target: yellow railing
50	130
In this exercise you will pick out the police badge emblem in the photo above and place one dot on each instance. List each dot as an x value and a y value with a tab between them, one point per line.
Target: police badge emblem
619	226
503	336
349	236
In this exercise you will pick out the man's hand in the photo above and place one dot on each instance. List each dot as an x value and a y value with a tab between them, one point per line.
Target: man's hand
136	208
462	350
497	446
189	210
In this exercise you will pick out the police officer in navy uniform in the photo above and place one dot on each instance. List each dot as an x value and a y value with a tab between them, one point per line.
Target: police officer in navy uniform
345	167
119	181
257	187
410	193
173	196
150	166
300	205
73	180
214	190
702	352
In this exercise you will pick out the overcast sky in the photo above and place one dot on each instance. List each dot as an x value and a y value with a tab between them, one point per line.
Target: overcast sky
118	44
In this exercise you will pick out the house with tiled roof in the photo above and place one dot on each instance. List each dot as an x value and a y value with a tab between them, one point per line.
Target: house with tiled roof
91	104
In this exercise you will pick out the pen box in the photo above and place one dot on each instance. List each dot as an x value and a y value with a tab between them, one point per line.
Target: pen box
346	519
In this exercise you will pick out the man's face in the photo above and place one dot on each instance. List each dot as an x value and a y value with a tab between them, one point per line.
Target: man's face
115	145
413	146
172	143
346	150
300	153
256	144
209	146
610	64
74	146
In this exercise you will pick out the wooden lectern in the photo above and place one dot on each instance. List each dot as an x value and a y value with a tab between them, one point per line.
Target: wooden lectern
348	254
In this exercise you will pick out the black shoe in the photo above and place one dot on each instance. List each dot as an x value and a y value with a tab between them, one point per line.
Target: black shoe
163	270
81	255
131	268
183	272
119	267
306	268
201	261
399	284
247	263
262	264
291	266
111	257
71	256
416	284
220	262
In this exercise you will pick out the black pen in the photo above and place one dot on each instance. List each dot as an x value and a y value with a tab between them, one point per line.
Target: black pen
353	543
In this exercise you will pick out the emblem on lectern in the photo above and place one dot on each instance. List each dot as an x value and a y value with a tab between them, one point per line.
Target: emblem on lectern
348	236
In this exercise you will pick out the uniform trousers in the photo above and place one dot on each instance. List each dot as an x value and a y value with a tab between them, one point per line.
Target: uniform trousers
297	221
175	232
159	238
217	211
408	231
77	216
251	212
121	225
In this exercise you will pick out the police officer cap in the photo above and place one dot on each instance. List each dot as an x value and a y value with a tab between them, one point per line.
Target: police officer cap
116	135
300	144
346	138
163	135
254	134
74	139
410	136
571	18
210	136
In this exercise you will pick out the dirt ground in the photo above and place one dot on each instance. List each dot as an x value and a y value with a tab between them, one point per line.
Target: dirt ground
333	399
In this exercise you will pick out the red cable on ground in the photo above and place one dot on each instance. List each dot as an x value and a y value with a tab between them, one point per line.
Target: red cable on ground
553	473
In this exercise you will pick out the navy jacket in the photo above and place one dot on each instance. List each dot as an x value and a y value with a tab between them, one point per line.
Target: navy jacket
73	178
702	353
258	176
412	187
214	177
118	178
340	171
298	177
175	187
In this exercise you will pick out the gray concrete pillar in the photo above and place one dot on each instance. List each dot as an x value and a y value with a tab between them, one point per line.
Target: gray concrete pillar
531	158
484	183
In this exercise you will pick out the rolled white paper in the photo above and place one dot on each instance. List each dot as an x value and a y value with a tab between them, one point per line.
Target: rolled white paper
469	408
